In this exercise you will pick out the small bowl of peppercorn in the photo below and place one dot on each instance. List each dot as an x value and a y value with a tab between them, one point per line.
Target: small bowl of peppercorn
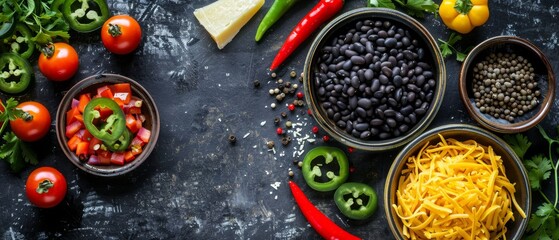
507	84
374	78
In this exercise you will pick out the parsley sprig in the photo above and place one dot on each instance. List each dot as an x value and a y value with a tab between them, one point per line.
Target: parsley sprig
416	8
14	151
448	47
544	222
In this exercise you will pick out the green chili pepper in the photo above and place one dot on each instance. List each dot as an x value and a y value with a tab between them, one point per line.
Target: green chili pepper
121	144
110	127
356	200
7	27
20	42
325	168
277	10
15	73
57	5
85	15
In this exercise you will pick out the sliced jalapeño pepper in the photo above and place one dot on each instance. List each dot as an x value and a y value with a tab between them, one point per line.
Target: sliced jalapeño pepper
57	6
356	200
85	15
121	144
325	168
15	73
105	113
20	42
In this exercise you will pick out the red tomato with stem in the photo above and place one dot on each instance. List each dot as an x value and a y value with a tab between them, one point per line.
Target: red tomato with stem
121	34
45	187
58	61
35	123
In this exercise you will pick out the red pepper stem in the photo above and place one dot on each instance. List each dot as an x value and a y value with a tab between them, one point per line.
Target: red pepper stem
322	224
322	12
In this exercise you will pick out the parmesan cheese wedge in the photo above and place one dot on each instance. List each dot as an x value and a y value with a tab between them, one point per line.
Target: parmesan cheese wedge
224	18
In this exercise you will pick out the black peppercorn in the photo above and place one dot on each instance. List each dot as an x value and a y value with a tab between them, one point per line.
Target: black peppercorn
232	139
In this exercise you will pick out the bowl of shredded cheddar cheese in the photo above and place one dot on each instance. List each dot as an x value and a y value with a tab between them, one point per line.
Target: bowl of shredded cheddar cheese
457	181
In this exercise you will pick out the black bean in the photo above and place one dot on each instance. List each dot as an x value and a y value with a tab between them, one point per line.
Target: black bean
360	126
387	71
375	85
364	103
392	102
365	135
407	110
391	122
389	113
361	112
389	89
384	135
420	53
399	117
378	94
420	111
390	42
350	53
341	124
406	41
403	128
428	74
397	81
379	113
418	70
337	116
357	60
424	65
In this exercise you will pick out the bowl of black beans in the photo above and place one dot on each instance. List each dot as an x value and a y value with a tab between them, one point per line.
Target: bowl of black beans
507	84
374	78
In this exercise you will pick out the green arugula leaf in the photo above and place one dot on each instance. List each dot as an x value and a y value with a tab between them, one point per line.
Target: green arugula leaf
519	143
419	7
381	3
16	152
539	169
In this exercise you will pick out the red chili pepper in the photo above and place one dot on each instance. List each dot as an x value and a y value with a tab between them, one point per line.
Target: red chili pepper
322	11
322	224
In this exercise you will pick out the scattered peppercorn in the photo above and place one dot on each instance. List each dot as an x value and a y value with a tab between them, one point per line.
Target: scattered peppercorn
293	74
325	138
256	83
273	105
309	111
285	141
271	91
288	124
283	114
270	144
315	129
279	131
280	81
350	149
276	120
273	75
232	139
300	95
300	164
288	84
291	107
295	86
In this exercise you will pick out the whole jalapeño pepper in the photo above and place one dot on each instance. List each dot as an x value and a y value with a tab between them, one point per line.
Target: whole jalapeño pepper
322	11
107	128
325	168
277	10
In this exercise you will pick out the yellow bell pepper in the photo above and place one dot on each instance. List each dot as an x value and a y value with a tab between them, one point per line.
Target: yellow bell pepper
463	15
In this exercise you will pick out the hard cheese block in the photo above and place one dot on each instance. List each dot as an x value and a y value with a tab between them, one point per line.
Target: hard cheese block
224	18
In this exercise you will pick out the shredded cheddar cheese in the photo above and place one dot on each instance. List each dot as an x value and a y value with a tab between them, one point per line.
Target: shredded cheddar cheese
455	190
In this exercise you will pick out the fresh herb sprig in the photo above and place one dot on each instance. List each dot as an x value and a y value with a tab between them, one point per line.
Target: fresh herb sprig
46	24
448	47
416	8
544	222
15	152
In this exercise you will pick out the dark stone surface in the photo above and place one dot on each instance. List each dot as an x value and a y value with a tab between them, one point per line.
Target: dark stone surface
195	185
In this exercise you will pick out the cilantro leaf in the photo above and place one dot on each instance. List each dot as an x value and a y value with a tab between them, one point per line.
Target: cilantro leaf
16	152
519	143
418	7
543	223
539	169
381	3
447	47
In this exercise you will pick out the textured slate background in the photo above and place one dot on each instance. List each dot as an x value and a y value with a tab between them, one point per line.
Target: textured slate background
195	185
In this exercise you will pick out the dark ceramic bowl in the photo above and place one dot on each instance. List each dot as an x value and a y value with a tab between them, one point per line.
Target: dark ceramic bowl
90	84
311	77
544	76
514	169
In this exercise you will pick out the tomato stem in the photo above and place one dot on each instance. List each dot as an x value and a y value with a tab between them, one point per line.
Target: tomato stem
48	50
114	30
26	116
44	186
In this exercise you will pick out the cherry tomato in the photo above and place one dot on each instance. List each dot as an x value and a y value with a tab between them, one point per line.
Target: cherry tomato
58	61
121	34
45	187
34	125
